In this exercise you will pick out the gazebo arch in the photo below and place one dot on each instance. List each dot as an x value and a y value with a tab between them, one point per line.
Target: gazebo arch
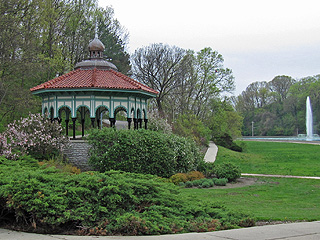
67	111
99	111
95	85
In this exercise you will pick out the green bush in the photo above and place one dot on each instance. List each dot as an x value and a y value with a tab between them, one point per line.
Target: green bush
111	203
202	183
197	183
189	184
142	151
221	182
228	171
207	183
207	168
225	140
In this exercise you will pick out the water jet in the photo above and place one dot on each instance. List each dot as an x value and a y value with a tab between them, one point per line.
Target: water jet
309	120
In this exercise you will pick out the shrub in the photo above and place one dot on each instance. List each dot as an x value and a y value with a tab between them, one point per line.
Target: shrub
142	151
178	178
110	203
228	171
207	183
194	175
221	182
207	168
225	140
34	135
202	183
197	183
189	184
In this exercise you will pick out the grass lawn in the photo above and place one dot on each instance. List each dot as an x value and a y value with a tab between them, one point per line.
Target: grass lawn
275	158
271	199
275	199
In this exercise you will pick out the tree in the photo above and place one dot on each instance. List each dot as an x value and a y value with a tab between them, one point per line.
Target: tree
114	37
211	79
202	78
279	87
160	67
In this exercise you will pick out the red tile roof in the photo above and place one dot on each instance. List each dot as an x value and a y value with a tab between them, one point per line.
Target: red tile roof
94	78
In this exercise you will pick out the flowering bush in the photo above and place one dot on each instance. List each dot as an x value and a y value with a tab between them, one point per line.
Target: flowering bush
34	135
159	124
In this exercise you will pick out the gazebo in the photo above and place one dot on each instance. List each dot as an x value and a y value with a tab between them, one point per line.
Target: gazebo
95	87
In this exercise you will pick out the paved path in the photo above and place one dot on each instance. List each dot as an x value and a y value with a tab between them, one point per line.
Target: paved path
291	231
280	176
211	153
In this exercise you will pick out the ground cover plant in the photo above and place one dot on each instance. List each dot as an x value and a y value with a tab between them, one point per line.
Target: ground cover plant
46	199
275	158
142	151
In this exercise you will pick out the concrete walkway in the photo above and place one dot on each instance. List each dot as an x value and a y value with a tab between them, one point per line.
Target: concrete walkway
291	231
279	176
211	153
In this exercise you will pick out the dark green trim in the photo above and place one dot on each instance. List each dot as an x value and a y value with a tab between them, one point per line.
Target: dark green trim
90	90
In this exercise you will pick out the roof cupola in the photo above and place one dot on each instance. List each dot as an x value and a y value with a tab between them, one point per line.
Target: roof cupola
96	49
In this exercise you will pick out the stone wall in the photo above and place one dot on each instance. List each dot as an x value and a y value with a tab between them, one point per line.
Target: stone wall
78	154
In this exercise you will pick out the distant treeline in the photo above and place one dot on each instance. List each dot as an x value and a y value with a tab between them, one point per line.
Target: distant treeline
278	107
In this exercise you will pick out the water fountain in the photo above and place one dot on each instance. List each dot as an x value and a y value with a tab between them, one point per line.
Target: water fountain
309	136
309	120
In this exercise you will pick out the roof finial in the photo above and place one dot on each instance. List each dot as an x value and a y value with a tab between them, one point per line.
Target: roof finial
96	30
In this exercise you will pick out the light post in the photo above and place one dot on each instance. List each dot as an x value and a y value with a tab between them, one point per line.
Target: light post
252	128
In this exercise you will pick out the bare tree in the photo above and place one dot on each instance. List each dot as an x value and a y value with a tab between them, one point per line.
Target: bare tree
158	66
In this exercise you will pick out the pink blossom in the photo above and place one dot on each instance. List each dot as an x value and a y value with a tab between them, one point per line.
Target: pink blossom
34	134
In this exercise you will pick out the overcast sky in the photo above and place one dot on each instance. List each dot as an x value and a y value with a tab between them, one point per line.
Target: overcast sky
259	39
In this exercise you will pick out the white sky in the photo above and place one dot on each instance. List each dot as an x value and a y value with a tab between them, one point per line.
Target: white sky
259	39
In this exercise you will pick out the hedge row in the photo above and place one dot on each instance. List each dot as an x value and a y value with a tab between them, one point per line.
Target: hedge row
142	151
107	203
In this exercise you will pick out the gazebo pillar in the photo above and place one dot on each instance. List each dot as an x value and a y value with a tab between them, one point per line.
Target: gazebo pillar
82	126
67	126
112	122
98	122
135	123
74	127
140	123
129	122
146	123
92	122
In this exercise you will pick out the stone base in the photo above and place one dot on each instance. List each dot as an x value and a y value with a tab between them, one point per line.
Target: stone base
78	154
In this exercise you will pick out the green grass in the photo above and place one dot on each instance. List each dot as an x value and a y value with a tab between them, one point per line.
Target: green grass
271	199
275	158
